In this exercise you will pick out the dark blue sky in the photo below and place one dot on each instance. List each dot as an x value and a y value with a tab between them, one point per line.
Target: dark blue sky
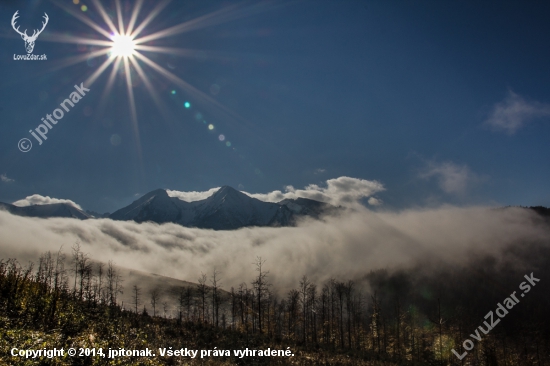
440	102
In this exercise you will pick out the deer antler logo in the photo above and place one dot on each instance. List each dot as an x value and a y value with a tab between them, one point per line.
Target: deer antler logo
29	41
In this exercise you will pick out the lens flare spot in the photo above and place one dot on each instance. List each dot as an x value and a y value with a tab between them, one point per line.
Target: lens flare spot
228	144
221	137
198	116
210	127
84	8
214	89
76	2
173	92
187	105
115	140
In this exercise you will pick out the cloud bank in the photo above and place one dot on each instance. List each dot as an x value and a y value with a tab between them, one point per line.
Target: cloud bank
37	199
345	247
514	112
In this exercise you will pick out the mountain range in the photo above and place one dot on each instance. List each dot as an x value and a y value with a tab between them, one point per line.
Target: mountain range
226	209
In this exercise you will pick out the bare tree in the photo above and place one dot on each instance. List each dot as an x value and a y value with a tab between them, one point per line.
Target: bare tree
155	296
340	288
260	285
76	262
59	283
216	298
100	282
348	289
188	300
202	292
136	294
293	298
114	284
179	294
304	292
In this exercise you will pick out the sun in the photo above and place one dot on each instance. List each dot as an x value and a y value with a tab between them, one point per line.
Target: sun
126	48
123	46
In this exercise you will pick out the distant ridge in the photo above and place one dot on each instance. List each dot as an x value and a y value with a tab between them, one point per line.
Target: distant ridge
226	209
50	210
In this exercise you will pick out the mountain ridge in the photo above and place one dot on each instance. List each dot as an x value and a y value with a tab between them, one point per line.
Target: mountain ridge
225	209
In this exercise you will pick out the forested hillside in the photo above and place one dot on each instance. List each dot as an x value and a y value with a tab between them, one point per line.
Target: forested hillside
414	316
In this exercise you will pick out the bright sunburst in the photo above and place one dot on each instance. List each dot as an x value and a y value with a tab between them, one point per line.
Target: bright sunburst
123	46
127	42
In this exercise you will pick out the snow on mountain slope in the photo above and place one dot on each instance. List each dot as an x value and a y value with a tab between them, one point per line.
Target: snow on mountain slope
45	211
226	209
230	209
155	206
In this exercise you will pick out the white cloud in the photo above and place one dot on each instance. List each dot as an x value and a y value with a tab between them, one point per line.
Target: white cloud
373	201
342	191
514	112
346	246
37	199
452	178
193	195
4	178
319	171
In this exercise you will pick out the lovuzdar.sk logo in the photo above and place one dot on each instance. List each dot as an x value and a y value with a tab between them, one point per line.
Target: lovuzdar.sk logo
29	40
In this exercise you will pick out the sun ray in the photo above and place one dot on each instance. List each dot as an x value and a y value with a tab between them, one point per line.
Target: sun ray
152	15
90	80
224	15
73	60
83	19
159	103
135	13
119	17
180	28
104	15
186	52
64	38
205	98
175	79
133	113
168	50
108	86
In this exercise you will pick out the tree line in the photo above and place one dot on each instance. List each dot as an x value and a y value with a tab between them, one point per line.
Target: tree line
396	320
